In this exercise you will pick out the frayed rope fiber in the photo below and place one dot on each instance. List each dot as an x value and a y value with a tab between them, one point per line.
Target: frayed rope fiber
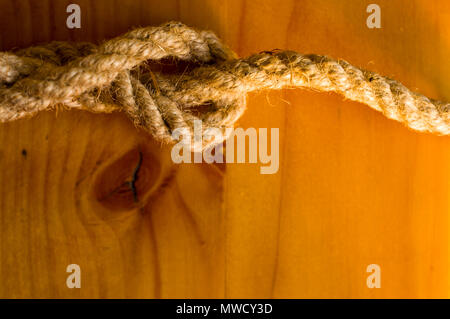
113	76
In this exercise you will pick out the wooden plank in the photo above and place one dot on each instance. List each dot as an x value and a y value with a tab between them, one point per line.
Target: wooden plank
353	187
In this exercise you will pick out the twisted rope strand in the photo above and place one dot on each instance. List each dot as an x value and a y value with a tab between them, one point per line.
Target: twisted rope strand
109	77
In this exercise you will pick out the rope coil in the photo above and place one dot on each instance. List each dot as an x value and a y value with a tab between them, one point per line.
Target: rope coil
104	79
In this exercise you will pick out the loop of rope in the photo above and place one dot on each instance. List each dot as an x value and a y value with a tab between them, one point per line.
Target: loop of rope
104	78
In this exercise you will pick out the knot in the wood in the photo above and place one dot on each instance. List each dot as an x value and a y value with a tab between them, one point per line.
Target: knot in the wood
128	181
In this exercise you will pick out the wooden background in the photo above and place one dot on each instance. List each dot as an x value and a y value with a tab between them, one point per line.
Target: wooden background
353	187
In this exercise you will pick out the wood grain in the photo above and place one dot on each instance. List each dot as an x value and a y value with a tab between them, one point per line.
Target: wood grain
353	187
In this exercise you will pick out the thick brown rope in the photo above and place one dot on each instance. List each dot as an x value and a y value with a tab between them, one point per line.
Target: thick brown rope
111	77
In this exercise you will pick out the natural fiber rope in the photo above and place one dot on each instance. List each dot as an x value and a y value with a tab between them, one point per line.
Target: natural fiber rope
109	77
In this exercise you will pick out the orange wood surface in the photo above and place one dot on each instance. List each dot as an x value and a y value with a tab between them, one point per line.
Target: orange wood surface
353	189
